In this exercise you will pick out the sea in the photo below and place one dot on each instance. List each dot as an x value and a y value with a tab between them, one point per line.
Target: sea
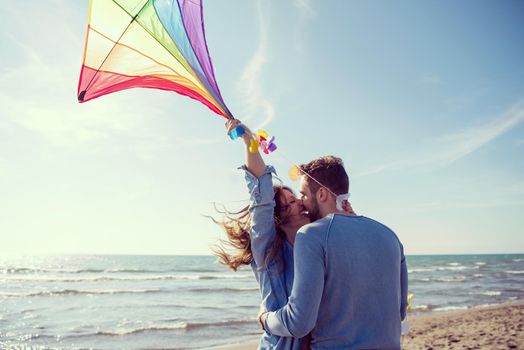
192	302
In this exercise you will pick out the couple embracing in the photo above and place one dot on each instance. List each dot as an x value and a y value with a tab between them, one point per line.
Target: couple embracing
329	279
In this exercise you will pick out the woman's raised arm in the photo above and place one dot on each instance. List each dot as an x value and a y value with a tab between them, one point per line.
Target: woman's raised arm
254	162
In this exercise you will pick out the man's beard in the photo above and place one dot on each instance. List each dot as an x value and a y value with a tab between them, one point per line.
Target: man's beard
313	212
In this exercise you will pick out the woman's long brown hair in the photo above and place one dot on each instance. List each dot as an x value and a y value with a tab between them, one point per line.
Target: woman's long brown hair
235	250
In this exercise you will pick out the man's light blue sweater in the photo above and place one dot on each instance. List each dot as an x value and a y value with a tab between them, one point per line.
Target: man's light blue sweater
350	286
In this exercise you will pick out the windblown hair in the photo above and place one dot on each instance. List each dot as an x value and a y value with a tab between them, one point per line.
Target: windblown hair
329	171
235	250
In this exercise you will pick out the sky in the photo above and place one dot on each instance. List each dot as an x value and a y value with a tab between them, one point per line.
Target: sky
424	102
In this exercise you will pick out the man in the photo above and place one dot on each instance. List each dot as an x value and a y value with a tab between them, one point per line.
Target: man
350	285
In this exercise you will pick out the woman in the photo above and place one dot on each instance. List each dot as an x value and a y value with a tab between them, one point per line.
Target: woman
263	235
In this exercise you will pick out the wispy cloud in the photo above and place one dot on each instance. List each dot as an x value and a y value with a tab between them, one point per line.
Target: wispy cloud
305	13
250	85
454	146
458	145
520	142
305	7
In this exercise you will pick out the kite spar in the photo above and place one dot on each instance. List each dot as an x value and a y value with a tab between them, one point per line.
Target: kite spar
157	44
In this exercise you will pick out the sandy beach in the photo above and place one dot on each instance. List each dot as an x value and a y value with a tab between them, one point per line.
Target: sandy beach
495	327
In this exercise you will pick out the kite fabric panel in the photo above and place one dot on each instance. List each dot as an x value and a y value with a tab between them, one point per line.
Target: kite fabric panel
156	44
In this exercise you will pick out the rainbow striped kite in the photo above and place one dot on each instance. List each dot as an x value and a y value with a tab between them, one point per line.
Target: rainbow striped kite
156	44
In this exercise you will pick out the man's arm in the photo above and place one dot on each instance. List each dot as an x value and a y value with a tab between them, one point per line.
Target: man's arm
298	317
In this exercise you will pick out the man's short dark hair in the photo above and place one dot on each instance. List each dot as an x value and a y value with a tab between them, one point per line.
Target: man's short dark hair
329	171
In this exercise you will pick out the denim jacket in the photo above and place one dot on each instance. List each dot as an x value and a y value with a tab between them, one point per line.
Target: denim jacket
275	279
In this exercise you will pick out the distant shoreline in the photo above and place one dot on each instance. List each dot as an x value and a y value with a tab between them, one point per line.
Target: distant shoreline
205	255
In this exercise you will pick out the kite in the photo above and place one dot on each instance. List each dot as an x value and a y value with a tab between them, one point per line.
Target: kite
156	44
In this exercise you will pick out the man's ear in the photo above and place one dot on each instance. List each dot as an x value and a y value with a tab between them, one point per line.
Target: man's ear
322	194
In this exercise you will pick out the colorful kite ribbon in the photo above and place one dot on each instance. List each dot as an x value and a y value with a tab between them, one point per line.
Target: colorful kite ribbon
262	140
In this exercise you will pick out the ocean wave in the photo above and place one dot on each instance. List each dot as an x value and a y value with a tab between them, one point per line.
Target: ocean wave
445	279
27	270
81	292
513	290
421	270
480	263
227	289
518	260
152	328
65	292
421	307
123	278
519	272
229	323
485	305
456	268
450	308
234	277
443	268
424	308
488	293
186	326
203	270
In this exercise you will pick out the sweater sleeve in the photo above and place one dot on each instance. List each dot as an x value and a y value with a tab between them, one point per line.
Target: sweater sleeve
299	316
262	206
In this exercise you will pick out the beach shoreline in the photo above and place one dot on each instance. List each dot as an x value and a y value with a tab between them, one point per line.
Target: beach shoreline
485	327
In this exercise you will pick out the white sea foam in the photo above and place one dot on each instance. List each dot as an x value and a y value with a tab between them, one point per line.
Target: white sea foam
480	263
425	279
519	272
171	327
421	270
454	268
226	289
489	293
420	307
451	279
486	305
450	308
149	328
37	278
447	279
81	292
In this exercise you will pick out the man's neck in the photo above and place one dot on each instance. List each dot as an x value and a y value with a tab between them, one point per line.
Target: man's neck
347	210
